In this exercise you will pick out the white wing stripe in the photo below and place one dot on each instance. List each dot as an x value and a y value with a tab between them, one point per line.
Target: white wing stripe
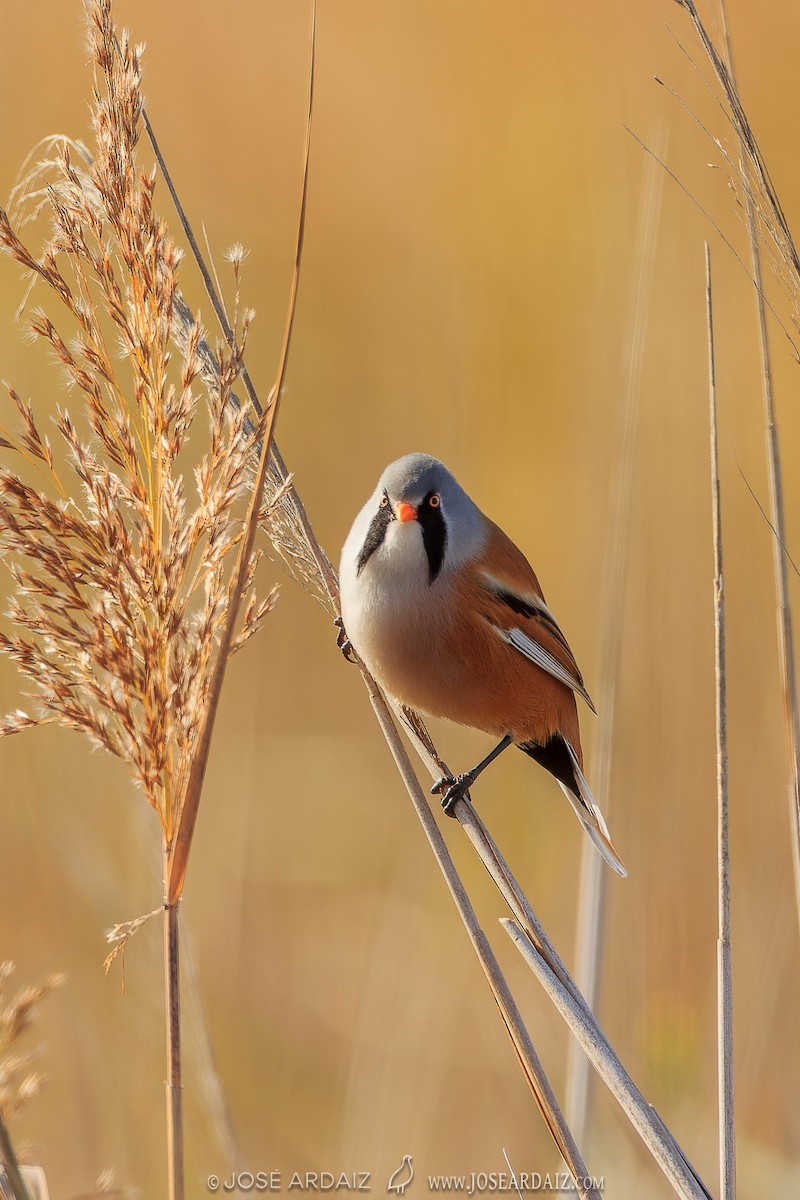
544	659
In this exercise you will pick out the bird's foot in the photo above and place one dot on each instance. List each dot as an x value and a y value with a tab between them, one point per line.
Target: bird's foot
453	789
343	641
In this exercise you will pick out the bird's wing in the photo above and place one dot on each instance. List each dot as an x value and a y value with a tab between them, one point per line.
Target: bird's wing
512	601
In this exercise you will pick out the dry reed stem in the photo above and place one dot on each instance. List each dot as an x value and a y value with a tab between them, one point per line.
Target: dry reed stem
727	1137
680	1173
770	212
174	1081
589	933
188	813
788	666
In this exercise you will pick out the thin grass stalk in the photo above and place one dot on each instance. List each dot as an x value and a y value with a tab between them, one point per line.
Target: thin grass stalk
676	1167
590	922
788	667
727	1136
179	855
172	993
8	1158
778	226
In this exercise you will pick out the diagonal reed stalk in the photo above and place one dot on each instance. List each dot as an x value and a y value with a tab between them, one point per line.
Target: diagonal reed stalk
659	1141
727	1136
191	801
764	212
593	876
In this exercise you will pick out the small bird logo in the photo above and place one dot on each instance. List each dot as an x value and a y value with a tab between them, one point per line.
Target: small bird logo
402	1176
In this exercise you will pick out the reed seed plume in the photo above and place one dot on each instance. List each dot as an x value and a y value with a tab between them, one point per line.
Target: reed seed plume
759	203
19	1080
120	548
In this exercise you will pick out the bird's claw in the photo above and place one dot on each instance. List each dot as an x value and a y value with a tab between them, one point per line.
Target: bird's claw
453	789
343	641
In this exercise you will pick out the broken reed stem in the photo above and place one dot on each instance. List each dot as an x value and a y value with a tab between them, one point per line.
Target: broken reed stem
8	1158
642	1115
788	669
727	1136
590	924
172	993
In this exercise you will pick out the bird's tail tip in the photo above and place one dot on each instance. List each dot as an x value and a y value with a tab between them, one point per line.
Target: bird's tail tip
591	817
606	848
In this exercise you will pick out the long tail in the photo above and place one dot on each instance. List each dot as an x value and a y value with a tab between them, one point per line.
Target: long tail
561	760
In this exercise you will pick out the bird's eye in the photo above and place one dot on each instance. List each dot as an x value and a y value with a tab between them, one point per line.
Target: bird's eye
384	501
435	501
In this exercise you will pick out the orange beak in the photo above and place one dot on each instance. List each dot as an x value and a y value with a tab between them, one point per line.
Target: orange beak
405	512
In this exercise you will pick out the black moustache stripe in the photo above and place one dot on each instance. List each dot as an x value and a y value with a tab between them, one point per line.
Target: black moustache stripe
375	535
434	536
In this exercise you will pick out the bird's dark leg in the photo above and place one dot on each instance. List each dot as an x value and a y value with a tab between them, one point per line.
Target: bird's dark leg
454	788
343	641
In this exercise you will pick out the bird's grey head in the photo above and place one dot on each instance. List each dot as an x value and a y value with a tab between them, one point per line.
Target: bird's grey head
418	501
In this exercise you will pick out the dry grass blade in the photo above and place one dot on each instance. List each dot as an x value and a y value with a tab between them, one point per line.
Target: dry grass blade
593	876
727	1140
188	814
771	213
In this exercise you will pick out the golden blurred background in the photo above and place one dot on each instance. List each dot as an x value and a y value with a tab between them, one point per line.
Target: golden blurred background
466	290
